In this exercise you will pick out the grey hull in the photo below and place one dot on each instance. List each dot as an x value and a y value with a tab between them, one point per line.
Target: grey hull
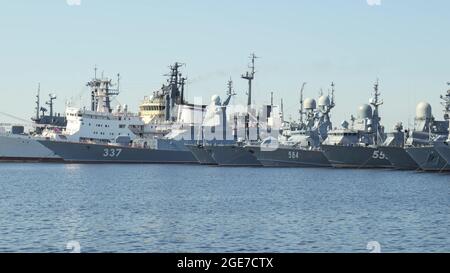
22	148
202	155
444	152
428	159
289	157
356	157
399	158
99	153
232	155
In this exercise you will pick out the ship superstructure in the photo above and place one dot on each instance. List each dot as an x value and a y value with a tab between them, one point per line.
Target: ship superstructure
100	123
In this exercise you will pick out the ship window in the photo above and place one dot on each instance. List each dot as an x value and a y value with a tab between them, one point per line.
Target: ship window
122	126
213	129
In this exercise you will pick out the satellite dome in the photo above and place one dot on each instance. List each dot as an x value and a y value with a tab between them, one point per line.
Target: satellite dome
215	99
423	110
309	104
365	111
324	101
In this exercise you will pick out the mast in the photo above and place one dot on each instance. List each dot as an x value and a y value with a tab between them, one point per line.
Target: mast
332	95
446	104
376	102
174	95
301	111
38	101
230	92
182	83
50	103
249	76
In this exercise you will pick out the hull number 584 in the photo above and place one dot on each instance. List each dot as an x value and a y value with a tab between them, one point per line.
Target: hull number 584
293	155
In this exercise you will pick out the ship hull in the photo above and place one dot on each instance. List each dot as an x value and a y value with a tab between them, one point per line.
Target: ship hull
399	158
233	156
444	152
202	155
356	157
18	148
290	157
101	153
428	159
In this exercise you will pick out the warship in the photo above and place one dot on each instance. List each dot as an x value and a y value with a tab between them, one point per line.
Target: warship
18	146
236	154
433	156
300	146
101	135
425	126
358	146
217	111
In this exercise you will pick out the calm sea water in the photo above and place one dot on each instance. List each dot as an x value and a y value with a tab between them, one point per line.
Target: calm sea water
160	208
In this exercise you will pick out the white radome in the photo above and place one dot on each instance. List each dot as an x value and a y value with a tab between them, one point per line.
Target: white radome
324	101
365	111
309	104
423	110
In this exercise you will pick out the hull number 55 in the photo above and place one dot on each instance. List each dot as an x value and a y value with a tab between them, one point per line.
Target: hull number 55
379	155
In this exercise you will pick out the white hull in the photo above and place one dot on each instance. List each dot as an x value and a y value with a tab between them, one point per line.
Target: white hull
24	148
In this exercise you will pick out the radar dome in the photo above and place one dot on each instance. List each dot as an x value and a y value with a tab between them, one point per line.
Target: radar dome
324	101
423	110
215	99
365	111
309	103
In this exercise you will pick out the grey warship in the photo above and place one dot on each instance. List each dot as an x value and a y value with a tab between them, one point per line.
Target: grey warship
301	148
433	156
201	150
425	126
16	145
235	154
357	147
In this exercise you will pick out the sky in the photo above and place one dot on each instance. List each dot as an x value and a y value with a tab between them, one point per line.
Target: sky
57	43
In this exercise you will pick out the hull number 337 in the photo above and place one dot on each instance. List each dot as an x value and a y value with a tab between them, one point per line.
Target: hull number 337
112	152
